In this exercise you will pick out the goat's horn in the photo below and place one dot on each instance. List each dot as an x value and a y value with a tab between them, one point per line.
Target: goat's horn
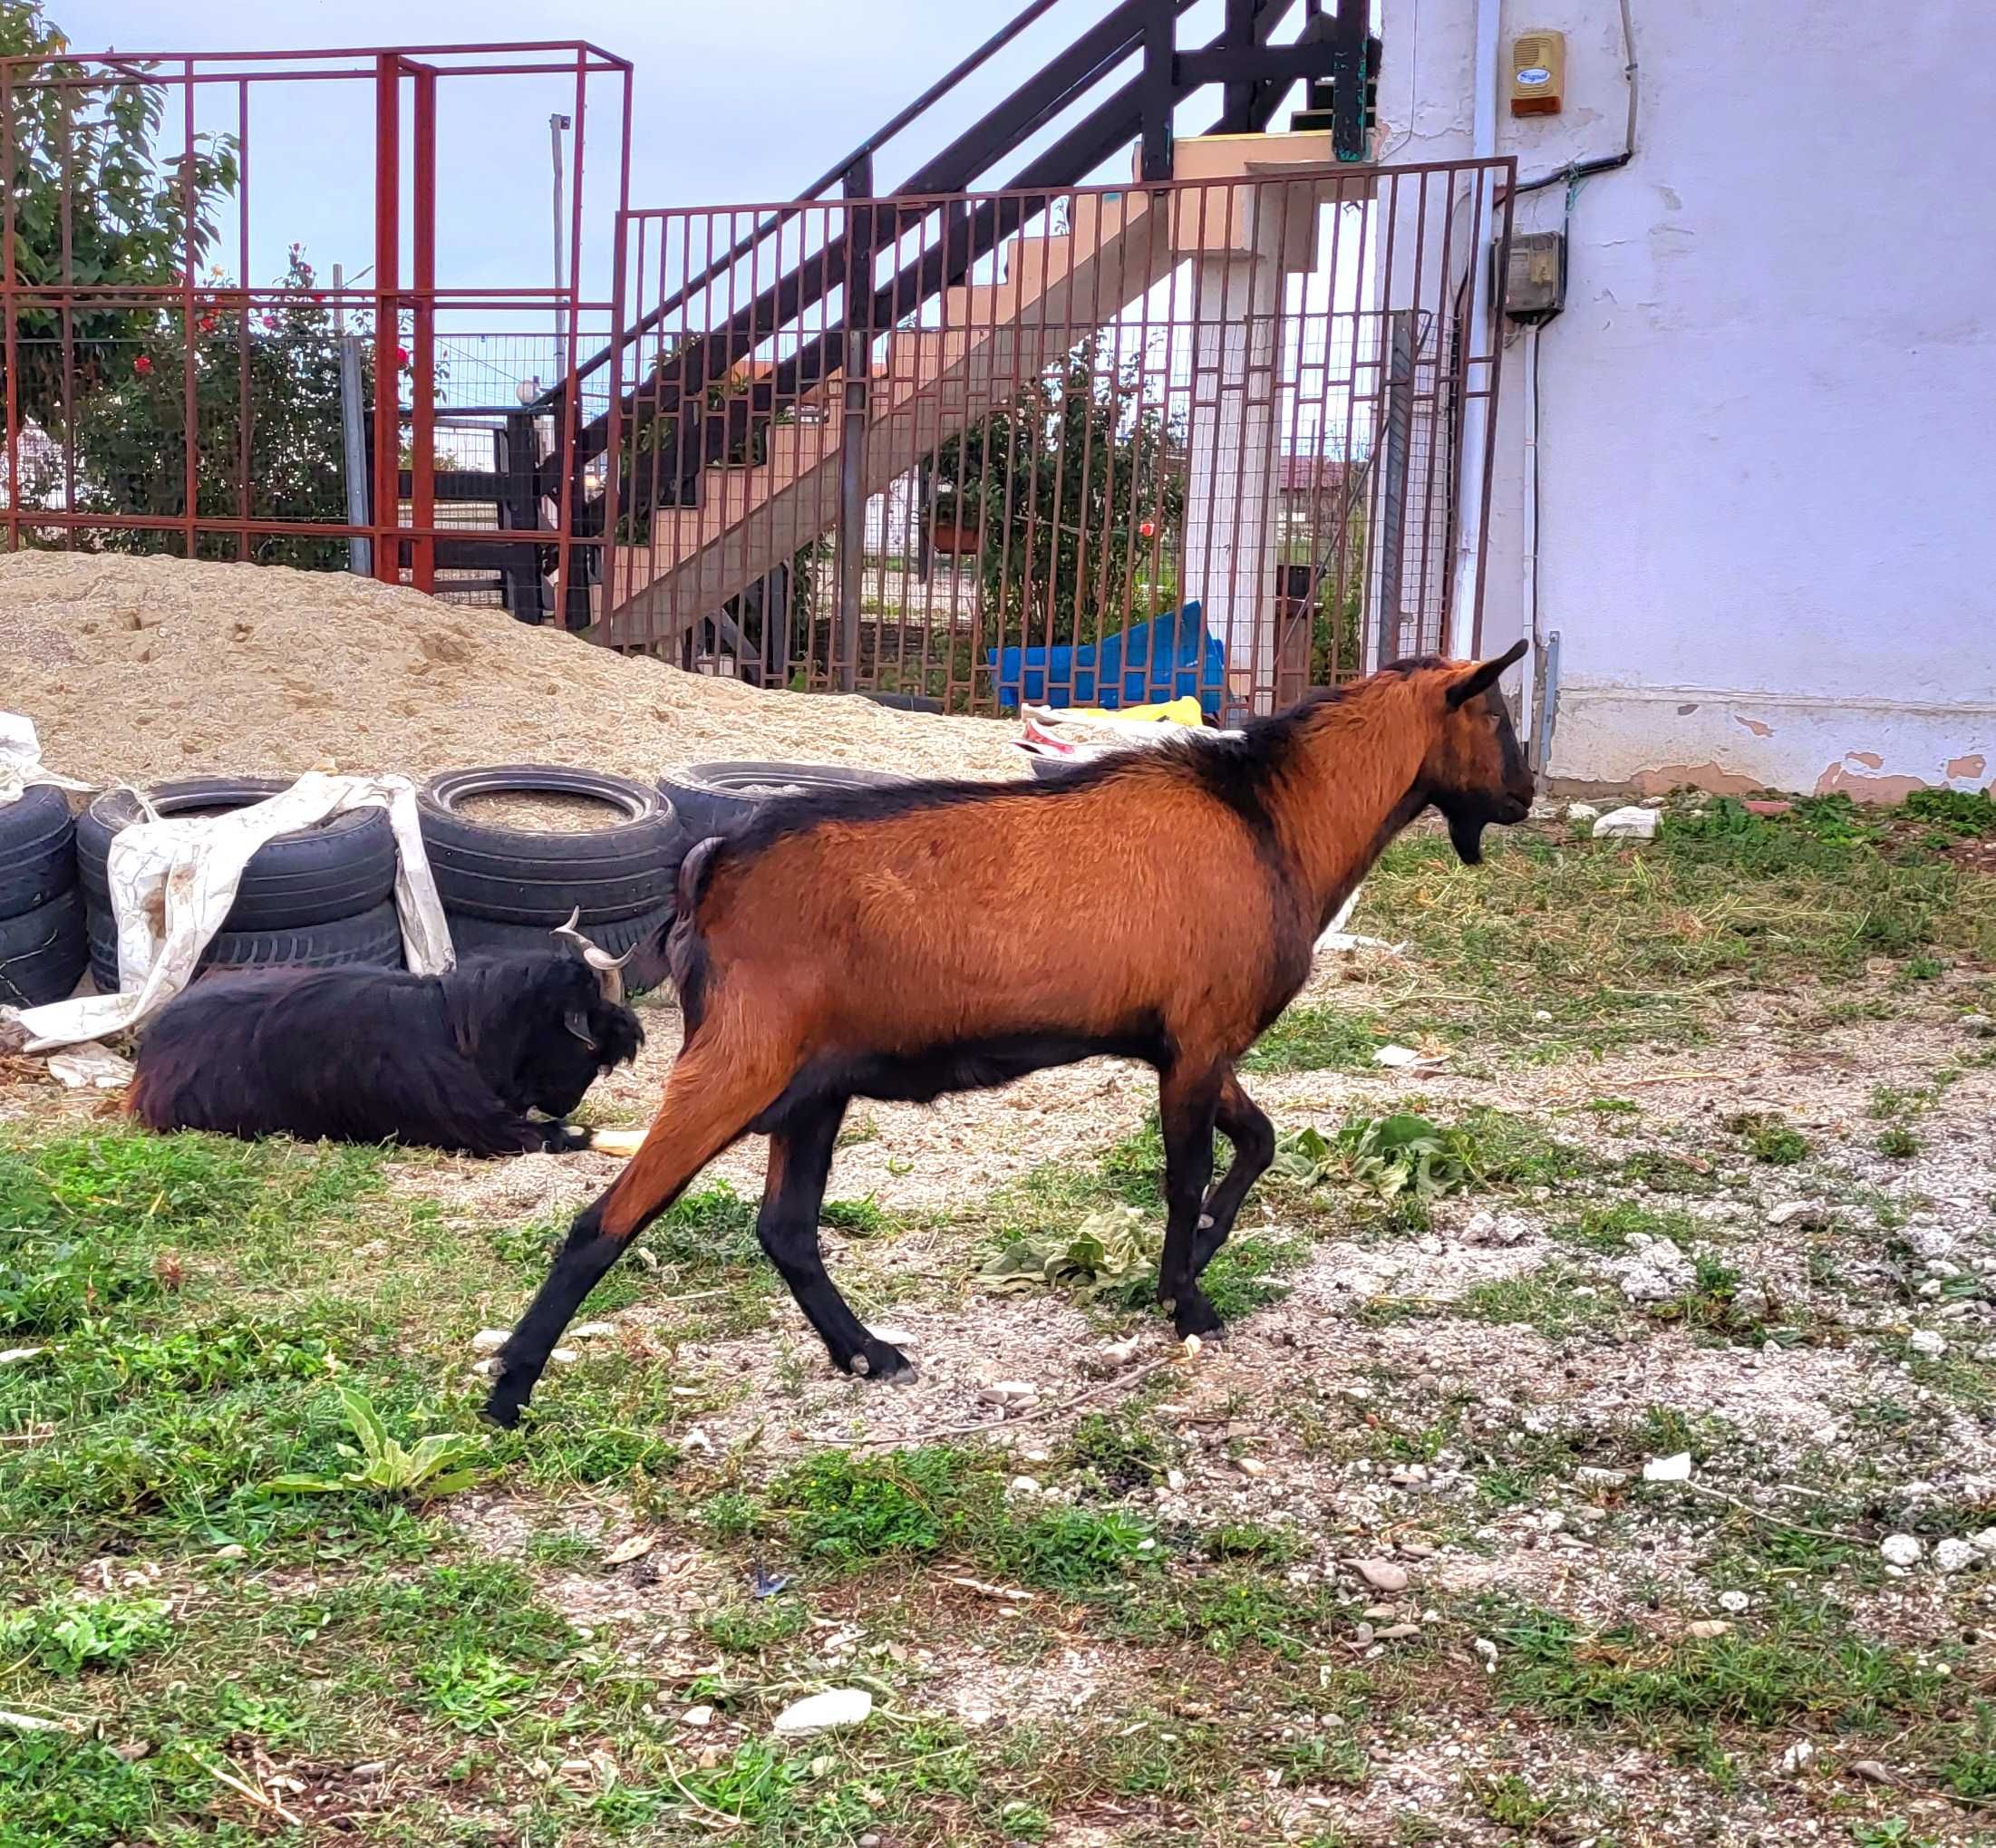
573	937
608	969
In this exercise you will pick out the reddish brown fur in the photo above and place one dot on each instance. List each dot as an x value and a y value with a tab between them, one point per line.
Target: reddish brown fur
1147	898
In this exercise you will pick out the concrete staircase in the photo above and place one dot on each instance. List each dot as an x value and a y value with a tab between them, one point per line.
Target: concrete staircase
932	382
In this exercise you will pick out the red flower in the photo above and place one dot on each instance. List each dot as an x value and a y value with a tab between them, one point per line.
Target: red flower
1147	529
206	323
142	365
401	356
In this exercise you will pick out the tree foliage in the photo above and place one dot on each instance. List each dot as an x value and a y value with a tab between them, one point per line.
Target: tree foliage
91	204
1076	490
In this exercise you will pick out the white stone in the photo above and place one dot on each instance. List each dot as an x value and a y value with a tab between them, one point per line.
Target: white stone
1807	1211
491	1341
1381	1575
1597	1477
1024	1485
1627	824
1677	1468
591	1330
1733	1602
831	1711
893	1337
1954	1555
1927	1344
1705	1628
1900	1549
697	1716
1796	1759
1581	812
1984	1542
1009	1392
564	1356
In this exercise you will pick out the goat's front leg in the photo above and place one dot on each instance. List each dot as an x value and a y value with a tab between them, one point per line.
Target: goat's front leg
1242	1121
801	1158
1188	1100
706	1108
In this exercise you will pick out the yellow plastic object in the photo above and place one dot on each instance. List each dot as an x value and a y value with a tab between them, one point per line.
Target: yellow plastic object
1185	712
624	1142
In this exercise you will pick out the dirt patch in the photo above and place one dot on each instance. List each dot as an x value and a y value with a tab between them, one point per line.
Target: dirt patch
135	669
537	812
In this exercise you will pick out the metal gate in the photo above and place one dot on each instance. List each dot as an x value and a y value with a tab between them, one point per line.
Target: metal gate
1091	446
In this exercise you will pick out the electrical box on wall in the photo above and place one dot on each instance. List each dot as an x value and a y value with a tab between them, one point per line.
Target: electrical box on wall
1539	72
1534	283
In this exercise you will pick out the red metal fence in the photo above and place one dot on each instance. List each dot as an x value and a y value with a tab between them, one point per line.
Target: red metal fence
161	396
1084	444
839	468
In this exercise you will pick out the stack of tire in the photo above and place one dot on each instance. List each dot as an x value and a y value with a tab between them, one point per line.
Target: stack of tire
720	798
41	943
505	888
320	898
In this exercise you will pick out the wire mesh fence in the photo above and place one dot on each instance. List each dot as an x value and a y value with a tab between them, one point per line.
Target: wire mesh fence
1099	446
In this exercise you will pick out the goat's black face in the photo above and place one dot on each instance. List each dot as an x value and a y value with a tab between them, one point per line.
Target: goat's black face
540	1029
1476	775
580	1040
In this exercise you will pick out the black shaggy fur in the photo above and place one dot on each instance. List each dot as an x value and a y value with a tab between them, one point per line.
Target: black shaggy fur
453	1061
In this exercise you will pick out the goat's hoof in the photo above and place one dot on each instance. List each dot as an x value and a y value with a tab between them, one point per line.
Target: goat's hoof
1196	1316
878	1360
502	1412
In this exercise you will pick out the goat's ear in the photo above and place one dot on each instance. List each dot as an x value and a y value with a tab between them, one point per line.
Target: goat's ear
1484	674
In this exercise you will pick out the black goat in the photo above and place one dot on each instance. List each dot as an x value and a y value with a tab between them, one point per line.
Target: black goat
378	1055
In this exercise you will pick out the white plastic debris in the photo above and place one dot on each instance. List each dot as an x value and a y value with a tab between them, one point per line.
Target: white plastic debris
1627	824
1677	1468
1581	812
90	1067
173	881
1900	1549
1399	1058
831	1711
21	764
13	1357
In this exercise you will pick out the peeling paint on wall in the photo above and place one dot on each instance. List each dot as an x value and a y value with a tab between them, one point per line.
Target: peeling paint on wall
1836	781
1760	728
1662	778
1967	769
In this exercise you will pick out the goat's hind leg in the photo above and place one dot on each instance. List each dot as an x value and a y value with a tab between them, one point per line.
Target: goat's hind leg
1243	1124
703	1112
1187	1100
801	1158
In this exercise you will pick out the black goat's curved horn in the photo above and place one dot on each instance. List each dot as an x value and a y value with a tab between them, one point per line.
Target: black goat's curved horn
609	969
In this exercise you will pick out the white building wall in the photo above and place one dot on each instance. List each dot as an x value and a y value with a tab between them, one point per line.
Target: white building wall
1768	416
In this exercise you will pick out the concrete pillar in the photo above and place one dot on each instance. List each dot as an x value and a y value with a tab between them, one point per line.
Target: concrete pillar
1231	495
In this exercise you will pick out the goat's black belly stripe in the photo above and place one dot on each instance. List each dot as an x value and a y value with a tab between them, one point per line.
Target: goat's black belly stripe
962	1065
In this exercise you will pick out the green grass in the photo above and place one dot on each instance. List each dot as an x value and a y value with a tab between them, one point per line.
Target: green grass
1622	946
1311	1037
1804	1669
1544	1299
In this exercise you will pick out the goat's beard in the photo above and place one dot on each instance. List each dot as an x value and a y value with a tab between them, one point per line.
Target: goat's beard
1466	835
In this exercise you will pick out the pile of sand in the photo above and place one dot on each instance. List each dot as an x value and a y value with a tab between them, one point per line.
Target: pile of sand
139	669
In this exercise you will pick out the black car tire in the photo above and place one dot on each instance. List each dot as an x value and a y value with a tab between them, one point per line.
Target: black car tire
478	936
337	868
43	952
537	878
373	939
37	849
720	798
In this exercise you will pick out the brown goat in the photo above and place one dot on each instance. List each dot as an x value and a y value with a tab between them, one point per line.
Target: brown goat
902	943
